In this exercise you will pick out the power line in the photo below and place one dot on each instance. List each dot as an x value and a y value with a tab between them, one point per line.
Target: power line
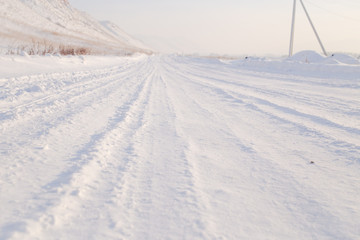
332	12
343	3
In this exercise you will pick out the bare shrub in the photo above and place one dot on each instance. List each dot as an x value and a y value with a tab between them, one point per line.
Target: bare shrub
45	47
83	51
73	50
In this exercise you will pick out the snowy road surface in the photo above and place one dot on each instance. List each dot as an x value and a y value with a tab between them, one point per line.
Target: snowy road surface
167	147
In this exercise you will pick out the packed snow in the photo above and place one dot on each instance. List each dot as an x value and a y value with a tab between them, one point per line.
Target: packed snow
174	147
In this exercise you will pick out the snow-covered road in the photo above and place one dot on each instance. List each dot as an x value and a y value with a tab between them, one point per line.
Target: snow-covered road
167	147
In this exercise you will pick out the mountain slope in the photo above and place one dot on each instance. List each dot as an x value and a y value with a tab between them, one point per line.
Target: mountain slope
26	22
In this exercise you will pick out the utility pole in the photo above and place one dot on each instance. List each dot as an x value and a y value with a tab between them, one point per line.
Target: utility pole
313	27
293	29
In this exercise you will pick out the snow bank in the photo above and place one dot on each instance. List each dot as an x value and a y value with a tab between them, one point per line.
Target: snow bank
346	59
306	63
308	57
314	57
15	66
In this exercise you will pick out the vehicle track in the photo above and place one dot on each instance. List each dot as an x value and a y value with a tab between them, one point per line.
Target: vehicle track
168	147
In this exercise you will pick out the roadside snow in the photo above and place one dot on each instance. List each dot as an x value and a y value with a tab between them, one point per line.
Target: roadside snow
307	64
169	147
346	59
15	66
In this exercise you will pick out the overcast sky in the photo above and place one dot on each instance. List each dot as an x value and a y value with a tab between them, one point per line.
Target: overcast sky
233	27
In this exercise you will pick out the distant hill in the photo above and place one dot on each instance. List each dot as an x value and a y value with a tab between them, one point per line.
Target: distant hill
54	25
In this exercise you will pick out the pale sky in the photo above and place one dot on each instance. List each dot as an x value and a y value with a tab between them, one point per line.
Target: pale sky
234	27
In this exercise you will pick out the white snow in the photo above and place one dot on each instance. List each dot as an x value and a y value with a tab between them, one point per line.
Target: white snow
42	23
170	147
314	57
343	58
308	57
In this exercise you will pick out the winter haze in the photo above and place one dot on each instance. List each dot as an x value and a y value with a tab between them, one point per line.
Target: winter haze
232	26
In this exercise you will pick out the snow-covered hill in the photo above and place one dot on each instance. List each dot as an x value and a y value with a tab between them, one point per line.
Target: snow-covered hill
35	23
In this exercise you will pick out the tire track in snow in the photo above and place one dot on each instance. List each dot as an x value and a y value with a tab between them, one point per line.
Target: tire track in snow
54	139
216	67
310	124
63	117
59	83
184	155
139	185
160	193
81	84
50	115
103	161
277	89
338	139
265	170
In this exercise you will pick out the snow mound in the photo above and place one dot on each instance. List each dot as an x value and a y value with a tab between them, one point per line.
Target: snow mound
308	57
343	58
307	63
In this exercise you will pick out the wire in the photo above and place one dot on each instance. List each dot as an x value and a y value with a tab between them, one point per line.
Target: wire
333	12
347	3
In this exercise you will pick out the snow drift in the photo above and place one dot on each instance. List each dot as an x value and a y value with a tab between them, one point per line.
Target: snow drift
314	57
306	63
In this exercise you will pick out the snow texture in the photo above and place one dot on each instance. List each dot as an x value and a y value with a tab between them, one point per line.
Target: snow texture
169	147
55	22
